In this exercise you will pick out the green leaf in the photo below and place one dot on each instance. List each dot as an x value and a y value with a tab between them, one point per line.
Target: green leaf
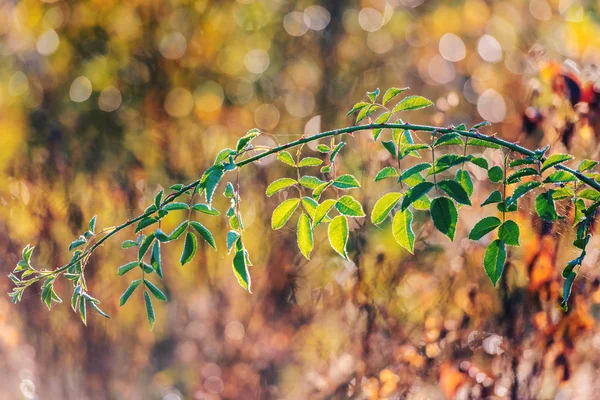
494	260
387	172
357	107
415	193
402	230
479	161
555	159
155	260
320	189
92	224
464	179
178	231
212	181
568	287
98	310
189	248
158	198
176	206
338	235
502	207
310	205
481	125
205	233
311	182
559	177
544	206
523	161
240	269
144	223
587	165
336	150
305	236
310	162
232	238
348	206
279	184
494	197
149	310
444	216
129	291
129	243
412	103
516	176
455	190
448	139
156	292
483	227
589	194
82	310
246	139
123	269
391	93
366	111
145	245
283	212
224	155
564	192
373	95
509	233
383	207
205	209
77	242
286	158
495	174
382	119
321	211
390	147
521	191
445	162
482	143
346	181
422	203
323	148
415	169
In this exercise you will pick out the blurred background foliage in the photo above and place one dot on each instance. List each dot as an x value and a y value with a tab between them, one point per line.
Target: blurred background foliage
102	103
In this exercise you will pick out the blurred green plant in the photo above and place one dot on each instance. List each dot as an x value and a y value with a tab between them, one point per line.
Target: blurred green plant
526	171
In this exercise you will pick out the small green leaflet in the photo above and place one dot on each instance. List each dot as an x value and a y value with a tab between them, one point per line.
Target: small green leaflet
336	150
383	207
555	159
455	190
128	244
178	231
516	176
415	193
286	158
338	235
123	269
402	230
587	165
205	209
155	260
560	177
412	103
129	291
149	310
521	191
544	206
484	227
448	139
320	189
146	222
464	179
494	260
387	172
346	181
311	182
246	139
322	210
310	205
305	236
176	206
283	212
357	107
323	148
310	162
232	238
366	111
205	233
482	143
445	162
495	174
569	280
494	197
444	215
391	93
348	206
212	181
589	194
479	161
382	119
509	233
279	184
415	169
145	245
240	269
189	248
156	292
